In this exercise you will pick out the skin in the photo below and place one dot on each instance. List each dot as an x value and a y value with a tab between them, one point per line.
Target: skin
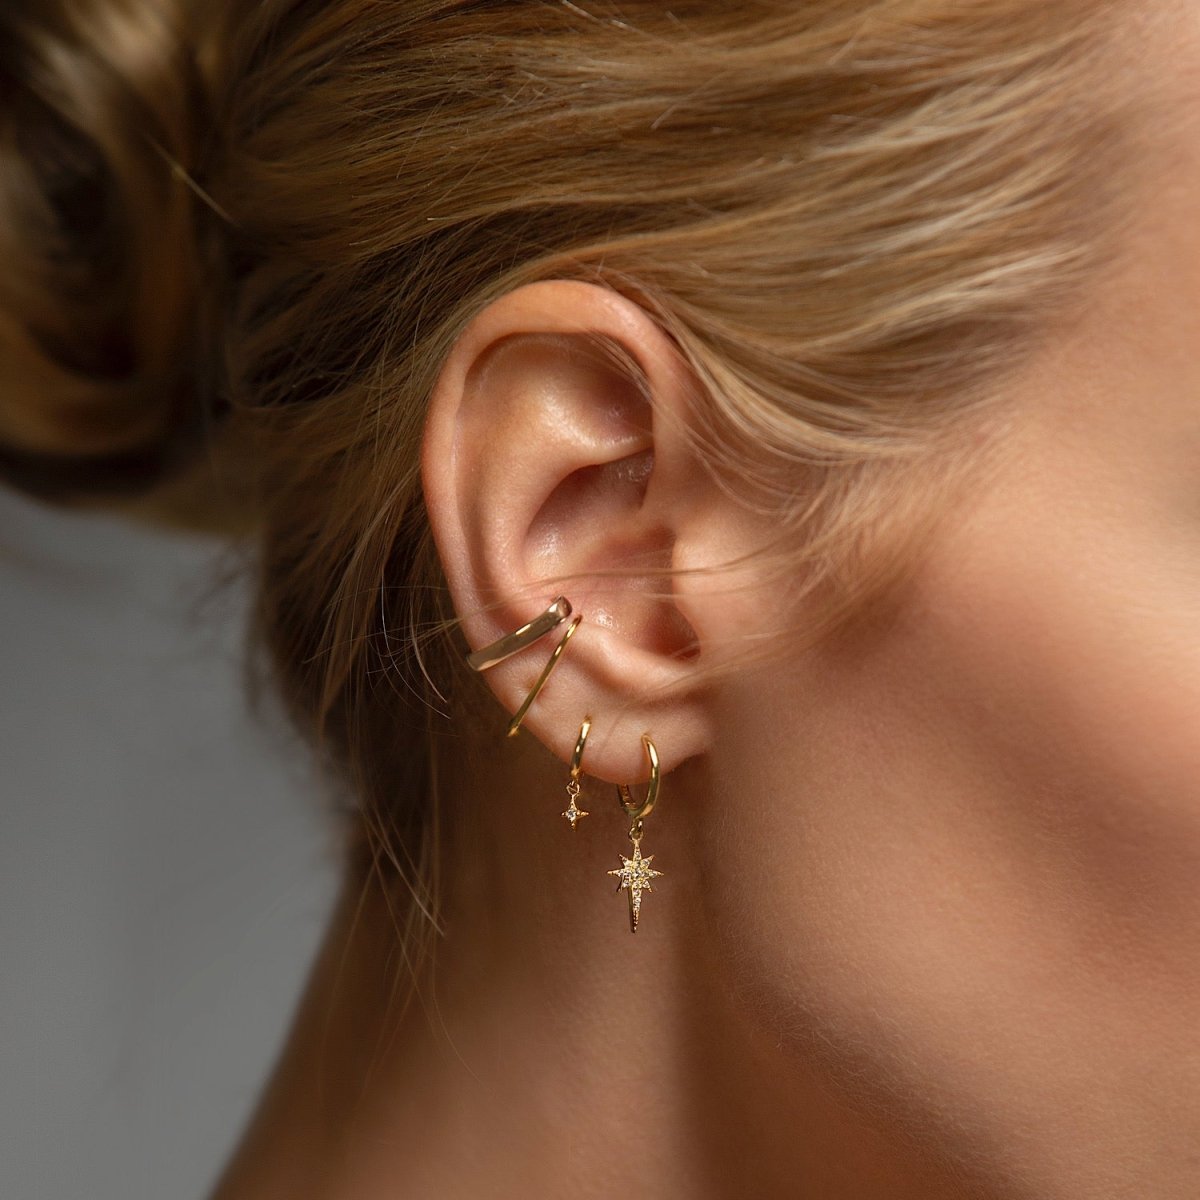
928	920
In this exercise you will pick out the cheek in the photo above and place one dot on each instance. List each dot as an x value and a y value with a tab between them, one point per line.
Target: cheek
1064	635
984	807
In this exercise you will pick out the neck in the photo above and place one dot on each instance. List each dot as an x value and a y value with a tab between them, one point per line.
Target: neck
549	1051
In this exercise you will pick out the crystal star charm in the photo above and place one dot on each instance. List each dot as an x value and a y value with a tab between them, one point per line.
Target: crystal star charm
573	813
635	877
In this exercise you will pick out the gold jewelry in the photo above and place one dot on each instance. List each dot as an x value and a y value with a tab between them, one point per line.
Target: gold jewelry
515	724
635	873
572	812
511	643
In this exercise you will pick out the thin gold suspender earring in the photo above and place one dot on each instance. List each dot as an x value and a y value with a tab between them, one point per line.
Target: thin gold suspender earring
573	812
635	873
515	724
512	643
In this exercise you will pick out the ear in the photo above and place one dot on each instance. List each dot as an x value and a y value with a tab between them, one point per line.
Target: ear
543	459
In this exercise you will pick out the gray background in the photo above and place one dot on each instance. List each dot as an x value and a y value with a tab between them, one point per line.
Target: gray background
167	862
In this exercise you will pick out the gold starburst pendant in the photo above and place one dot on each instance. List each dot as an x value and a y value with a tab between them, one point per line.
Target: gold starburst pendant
635	875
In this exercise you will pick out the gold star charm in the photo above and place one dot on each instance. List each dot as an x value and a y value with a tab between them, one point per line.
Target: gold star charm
635	877
573	812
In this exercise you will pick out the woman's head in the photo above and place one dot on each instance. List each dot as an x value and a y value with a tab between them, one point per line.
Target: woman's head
849	219
612	296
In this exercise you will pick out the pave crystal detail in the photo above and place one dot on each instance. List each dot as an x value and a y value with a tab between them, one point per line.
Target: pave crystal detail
635	876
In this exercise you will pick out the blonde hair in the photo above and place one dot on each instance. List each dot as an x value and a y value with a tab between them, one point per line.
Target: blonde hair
852	216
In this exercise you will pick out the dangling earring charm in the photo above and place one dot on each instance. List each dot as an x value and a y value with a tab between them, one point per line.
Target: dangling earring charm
635	873
573	812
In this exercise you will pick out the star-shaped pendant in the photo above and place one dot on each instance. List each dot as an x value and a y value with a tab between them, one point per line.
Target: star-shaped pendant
635	877
573	813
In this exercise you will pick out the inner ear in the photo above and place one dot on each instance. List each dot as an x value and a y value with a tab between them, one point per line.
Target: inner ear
588	359
587	505
590	390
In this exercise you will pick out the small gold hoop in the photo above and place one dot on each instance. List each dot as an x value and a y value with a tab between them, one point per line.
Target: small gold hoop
502	648
637	812
515	724
577	756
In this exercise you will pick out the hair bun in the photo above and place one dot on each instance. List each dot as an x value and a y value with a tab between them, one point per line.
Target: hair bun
99	331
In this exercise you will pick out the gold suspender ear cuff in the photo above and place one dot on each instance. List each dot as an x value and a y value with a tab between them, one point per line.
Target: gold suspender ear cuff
573	812
519	639
635	873
515	724
512	643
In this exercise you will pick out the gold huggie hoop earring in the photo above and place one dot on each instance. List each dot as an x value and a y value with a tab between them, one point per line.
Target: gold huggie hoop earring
572	812
515	724
512	643
635	873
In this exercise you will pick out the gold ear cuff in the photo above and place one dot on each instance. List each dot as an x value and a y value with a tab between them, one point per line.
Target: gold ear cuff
513	643
515	724
519	639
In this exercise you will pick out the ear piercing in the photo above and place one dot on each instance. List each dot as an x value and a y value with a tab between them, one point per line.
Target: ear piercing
573	812
635	874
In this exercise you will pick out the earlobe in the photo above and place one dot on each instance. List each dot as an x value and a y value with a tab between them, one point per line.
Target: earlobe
551	467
